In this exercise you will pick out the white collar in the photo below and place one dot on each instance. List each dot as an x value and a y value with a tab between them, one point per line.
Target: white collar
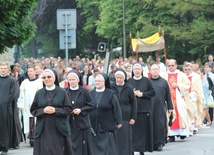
3	75
121	84
191	74
137	78
75	88
100	90
173	72
50	88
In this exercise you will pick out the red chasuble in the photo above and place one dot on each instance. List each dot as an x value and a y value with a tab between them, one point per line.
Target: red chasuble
173	78
65	84
190	79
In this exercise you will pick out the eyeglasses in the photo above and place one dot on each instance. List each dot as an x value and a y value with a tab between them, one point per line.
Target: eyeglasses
44	77
171	65
99	81
187	69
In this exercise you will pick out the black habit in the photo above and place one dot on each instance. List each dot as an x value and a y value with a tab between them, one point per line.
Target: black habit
7	95
16	132
80	124
104	119
128	106
160	103
142	130
52	132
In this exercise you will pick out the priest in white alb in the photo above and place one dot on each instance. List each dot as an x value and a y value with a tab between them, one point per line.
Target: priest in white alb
28	90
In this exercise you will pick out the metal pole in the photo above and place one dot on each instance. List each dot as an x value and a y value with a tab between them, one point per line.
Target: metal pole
106	61
124	30
66	38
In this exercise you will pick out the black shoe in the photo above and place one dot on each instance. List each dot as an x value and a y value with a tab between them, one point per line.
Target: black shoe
16	147
31	142
4	153
159	148
182	137
194	132
171	139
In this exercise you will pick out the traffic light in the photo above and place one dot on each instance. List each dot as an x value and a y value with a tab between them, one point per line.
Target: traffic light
101	47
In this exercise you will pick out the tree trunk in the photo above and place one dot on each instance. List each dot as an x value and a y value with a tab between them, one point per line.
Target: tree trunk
33	48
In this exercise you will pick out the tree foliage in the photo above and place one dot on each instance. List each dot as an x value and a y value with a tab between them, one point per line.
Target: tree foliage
15	24
188	25
47	35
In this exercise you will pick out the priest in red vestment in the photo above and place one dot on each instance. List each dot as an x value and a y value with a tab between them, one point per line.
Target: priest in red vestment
179	90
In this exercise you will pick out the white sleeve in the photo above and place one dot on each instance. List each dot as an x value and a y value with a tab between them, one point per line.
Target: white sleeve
90	80
193	96
20	102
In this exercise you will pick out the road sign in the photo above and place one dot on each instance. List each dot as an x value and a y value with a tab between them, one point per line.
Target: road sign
71	18
66	23
71	39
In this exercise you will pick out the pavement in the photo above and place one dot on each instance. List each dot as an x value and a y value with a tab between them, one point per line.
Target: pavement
201	143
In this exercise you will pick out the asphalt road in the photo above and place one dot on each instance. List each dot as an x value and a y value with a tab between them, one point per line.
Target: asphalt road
200	144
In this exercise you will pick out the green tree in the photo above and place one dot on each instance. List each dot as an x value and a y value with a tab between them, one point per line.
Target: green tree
15	24
188	25
194	26
47	36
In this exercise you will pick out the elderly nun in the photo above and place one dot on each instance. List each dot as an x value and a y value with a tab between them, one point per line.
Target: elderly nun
52	108
105	118
142	129
80	124
128	104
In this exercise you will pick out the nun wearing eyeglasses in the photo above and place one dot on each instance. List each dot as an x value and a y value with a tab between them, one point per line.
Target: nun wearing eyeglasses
80	124
52	108
128	104
142	130
106	118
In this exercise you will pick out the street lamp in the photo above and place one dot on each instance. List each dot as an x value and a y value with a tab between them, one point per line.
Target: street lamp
124	30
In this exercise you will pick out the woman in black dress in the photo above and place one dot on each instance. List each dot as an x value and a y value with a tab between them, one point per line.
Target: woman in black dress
80	124
142	129
128	104
105	118
51	106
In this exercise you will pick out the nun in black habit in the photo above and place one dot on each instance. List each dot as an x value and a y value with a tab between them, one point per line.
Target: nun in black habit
142	129
128	104
105	118
51	106
80	124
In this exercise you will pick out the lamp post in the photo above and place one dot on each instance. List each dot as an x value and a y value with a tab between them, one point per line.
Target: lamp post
124	30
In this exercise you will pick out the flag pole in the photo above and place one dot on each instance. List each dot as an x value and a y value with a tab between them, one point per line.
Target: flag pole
164	46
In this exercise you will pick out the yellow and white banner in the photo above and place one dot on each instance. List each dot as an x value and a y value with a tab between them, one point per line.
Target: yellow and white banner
150	44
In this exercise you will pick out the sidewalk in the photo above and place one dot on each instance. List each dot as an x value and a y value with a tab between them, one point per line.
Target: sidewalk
199	144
